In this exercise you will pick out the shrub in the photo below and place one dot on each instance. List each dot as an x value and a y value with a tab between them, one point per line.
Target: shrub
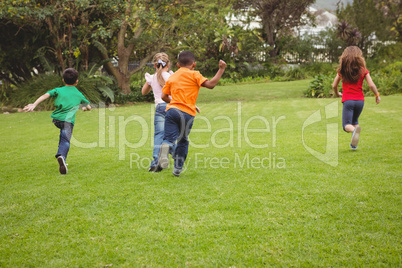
94	88
388	80
134	96
313	69
294	74
29	91
320	87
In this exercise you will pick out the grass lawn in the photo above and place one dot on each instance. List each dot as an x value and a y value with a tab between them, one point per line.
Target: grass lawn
263	186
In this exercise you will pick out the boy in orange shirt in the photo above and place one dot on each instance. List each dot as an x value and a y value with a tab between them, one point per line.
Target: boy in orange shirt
183	86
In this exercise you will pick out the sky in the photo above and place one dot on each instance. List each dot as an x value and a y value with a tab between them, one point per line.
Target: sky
329	4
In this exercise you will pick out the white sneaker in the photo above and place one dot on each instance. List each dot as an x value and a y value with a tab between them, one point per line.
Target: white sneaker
355	137
163	158
62	165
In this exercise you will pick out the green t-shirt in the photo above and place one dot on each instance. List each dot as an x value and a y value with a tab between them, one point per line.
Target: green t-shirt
67	102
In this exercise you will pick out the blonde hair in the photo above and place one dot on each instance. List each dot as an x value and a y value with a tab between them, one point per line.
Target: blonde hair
351	64
159	66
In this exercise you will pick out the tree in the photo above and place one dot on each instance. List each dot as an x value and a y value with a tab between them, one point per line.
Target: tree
61	30
128	30
278	17
367	20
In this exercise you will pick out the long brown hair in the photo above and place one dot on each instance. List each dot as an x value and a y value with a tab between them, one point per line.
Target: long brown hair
159	66
351	64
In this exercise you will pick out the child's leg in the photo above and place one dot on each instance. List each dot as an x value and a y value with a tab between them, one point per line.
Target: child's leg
357	110
347	116
159	123
350	114
171	132
66	131
182	141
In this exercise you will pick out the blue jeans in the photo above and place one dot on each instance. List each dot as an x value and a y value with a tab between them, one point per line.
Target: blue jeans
351	112
178	125
66	131
159	123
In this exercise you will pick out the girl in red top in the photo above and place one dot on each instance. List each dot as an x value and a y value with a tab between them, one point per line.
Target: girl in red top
352	71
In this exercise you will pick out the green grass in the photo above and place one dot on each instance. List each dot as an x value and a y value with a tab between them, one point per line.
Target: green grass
227	209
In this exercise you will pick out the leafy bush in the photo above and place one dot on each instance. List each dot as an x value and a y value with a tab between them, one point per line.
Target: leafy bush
313	69
294	74
29	91
320	87
97	88
134	96
94	88
273	70
388	80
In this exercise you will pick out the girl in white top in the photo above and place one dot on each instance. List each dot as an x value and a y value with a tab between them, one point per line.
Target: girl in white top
155	83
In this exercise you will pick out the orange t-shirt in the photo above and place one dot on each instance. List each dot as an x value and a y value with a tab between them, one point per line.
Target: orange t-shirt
183	86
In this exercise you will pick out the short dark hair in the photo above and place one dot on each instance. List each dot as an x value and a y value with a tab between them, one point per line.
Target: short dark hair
186	58
70	76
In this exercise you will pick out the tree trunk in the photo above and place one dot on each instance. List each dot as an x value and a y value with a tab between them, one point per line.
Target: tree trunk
271	36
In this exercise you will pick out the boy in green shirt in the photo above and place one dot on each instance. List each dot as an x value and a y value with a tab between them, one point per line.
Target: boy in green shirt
67	101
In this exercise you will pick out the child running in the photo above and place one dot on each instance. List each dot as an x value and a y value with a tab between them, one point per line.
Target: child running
183	87
155	83
67	101
352	71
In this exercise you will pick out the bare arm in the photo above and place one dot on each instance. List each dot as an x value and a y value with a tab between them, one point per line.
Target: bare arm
335	85
146	89
165	97
30	107
214	81
373	88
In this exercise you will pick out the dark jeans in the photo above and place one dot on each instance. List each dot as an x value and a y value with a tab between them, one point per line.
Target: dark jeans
66	131
351	112
178	125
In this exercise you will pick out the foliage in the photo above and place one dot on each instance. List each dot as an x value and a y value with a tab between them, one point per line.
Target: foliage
320	87
388	80
357	29
20	54
133	97
324	68
278	18
294	74
30	90
95	88
350	36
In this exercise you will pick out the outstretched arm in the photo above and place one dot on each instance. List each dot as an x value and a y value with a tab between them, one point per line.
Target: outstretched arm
214	81
30	107
373	88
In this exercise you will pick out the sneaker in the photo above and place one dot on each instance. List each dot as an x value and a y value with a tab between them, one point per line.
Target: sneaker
62	165
155	169
355	137
177	172
163	157
353	147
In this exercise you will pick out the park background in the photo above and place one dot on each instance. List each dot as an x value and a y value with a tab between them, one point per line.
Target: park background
236	204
